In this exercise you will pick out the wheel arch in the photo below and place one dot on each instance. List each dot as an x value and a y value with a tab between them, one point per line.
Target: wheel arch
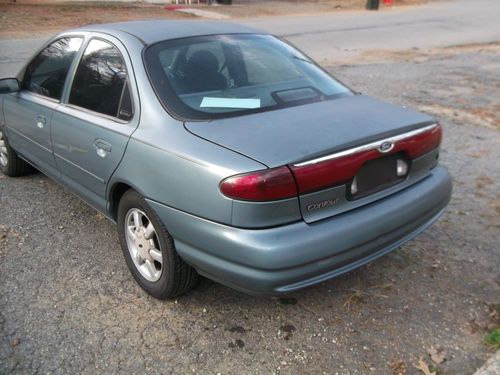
116	192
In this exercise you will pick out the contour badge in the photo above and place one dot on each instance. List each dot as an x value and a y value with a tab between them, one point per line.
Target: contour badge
317	206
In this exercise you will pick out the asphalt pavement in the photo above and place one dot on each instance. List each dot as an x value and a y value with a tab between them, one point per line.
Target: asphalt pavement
340	36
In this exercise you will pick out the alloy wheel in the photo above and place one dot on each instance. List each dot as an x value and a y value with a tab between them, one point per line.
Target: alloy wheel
143	245
4	158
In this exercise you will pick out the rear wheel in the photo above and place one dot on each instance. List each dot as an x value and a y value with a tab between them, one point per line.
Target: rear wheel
149	250
11	164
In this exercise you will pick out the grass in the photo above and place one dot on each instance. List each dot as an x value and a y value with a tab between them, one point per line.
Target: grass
434	369
493	339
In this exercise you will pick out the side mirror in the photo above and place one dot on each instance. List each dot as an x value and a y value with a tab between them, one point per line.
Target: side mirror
8	85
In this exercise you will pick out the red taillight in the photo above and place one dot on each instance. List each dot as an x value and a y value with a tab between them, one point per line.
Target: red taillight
330	172
266	185
343	166
421	143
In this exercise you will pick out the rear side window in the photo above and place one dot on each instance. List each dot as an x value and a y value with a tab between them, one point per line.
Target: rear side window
46	74
101	81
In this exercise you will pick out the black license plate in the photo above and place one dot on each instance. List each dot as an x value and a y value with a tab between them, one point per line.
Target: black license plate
378	174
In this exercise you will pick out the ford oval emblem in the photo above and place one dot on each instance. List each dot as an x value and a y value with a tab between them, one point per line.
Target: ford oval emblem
386	147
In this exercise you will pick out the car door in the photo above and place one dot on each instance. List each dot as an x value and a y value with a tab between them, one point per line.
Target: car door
92	126
28	112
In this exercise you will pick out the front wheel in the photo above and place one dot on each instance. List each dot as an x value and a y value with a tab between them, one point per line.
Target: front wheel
149	250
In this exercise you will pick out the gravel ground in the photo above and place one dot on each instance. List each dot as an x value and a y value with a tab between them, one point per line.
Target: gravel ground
69	305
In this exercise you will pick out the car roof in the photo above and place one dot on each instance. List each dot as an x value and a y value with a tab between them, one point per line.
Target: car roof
153	31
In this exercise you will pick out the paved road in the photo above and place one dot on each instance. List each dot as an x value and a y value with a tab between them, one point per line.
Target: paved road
338	35
344	35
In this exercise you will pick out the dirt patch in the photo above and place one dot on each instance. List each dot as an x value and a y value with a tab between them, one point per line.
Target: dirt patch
458	98
22	20
486	117
25	17
417	55
263	8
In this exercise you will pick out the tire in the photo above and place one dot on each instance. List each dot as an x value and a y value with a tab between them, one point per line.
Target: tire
164	276
11	164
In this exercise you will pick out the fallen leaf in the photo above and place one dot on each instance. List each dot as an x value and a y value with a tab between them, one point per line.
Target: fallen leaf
424	367
495	312
437	355
483	323
471	327
398	367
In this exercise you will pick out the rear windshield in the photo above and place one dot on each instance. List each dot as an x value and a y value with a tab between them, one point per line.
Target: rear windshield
218	76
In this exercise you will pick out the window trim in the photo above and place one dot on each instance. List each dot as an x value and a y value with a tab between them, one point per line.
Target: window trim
126	86
52	100
69	74
66	96
97	114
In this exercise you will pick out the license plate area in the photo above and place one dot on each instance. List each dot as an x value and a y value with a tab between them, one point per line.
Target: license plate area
378	174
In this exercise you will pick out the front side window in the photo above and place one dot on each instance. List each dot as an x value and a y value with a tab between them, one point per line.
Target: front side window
46	74
217	76
101	82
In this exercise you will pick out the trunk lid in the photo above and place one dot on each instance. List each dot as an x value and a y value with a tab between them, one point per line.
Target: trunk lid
305	132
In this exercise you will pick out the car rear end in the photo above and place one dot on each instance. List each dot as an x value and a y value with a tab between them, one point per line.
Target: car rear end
302	222
345	178
287	257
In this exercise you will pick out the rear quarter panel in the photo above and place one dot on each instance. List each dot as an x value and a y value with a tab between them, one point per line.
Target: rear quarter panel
182	171
168	164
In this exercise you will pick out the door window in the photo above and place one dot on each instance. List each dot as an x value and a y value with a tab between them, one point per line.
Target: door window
101	83
46	74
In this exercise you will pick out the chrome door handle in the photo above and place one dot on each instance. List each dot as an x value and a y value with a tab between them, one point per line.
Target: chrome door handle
102	147
40	121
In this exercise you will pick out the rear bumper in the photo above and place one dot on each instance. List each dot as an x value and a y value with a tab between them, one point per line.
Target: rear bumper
282	259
